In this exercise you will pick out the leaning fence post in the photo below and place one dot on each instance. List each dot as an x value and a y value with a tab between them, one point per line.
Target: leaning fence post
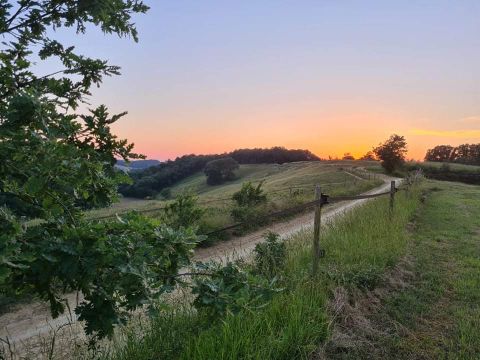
392	195
316	229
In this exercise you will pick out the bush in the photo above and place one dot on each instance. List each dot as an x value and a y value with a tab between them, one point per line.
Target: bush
270	256
229	289
184	212
250	195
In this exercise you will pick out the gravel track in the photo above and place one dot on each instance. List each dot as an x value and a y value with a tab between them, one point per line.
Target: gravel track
33	320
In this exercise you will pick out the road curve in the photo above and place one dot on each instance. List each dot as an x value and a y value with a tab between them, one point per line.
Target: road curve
34	321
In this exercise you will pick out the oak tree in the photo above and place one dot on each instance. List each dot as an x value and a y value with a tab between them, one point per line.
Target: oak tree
57	161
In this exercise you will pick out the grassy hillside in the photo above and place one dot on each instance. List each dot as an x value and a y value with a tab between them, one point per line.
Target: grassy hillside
405	287
276	177
286	185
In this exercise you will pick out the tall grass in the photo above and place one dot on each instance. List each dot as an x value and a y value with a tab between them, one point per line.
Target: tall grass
359	246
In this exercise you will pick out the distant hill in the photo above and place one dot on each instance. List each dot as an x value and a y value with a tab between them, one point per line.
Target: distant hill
135	165
151	181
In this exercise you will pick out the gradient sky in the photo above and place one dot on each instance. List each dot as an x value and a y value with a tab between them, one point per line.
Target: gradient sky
329	75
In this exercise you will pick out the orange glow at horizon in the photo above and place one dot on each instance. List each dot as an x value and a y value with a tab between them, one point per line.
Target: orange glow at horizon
326	134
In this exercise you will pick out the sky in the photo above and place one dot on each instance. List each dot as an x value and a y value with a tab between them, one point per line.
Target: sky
331	76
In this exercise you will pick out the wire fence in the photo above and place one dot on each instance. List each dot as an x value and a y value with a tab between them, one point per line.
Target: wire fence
291	189
323	200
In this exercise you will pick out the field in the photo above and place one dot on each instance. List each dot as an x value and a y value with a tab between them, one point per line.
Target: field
405	287
285	185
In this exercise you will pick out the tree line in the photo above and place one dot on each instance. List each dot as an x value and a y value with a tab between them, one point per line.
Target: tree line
463	154
153	180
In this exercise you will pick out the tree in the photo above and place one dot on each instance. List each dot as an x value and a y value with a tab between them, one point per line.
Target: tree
348	156
464	153
440	153
369	156
56	162
392	152
220	170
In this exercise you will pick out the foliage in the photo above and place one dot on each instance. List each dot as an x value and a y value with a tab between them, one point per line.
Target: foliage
369	156
229	289
249	216
56	161
274	155
392	153
441	153
447	171
348	156
220	170
270	255
296	321
464	154
250	195
118	266
152	180
184	212
247	200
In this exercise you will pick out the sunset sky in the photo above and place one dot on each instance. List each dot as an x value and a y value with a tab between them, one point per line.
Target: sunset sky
330	76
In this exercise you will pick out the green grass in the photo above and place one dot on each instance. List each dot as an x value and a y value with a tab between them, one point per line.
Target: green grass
359	248
438	315
453	166
286	185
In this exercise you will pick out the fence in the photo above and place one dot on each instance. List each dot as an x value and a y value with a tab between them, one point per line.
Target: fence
288	189
320	200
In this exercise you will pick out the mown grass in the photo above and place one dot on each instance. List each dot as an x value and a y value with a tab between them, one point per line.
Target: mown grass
359	248
438	315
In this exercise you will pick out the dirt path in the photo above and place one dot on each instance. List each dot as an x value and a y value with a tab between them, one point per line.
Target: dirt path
33	320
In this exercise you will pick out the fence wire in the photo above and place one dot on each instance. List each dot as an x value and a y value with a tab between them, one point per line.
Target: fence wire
217	200
324	200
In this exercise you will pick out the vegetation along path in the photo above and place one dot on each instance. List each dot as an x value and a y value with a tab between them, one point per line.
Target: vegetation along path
33	320
428	306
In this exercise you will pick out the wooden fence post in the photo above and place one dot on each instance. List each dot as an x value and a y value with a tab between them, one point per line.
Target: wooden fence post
392	195
316	230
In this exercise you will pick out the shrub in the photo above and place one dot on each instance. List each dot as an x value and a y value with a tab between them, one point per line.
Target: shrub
229	289
247	200
270	256
184	212
250	195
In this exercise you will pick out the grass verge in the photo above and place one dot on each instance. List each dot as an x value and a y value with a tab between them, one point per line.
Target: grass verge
436	315
360	247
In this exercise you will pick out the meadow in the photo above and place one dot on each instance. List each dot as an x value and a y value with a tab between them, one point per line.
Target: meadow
400	287
285	185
